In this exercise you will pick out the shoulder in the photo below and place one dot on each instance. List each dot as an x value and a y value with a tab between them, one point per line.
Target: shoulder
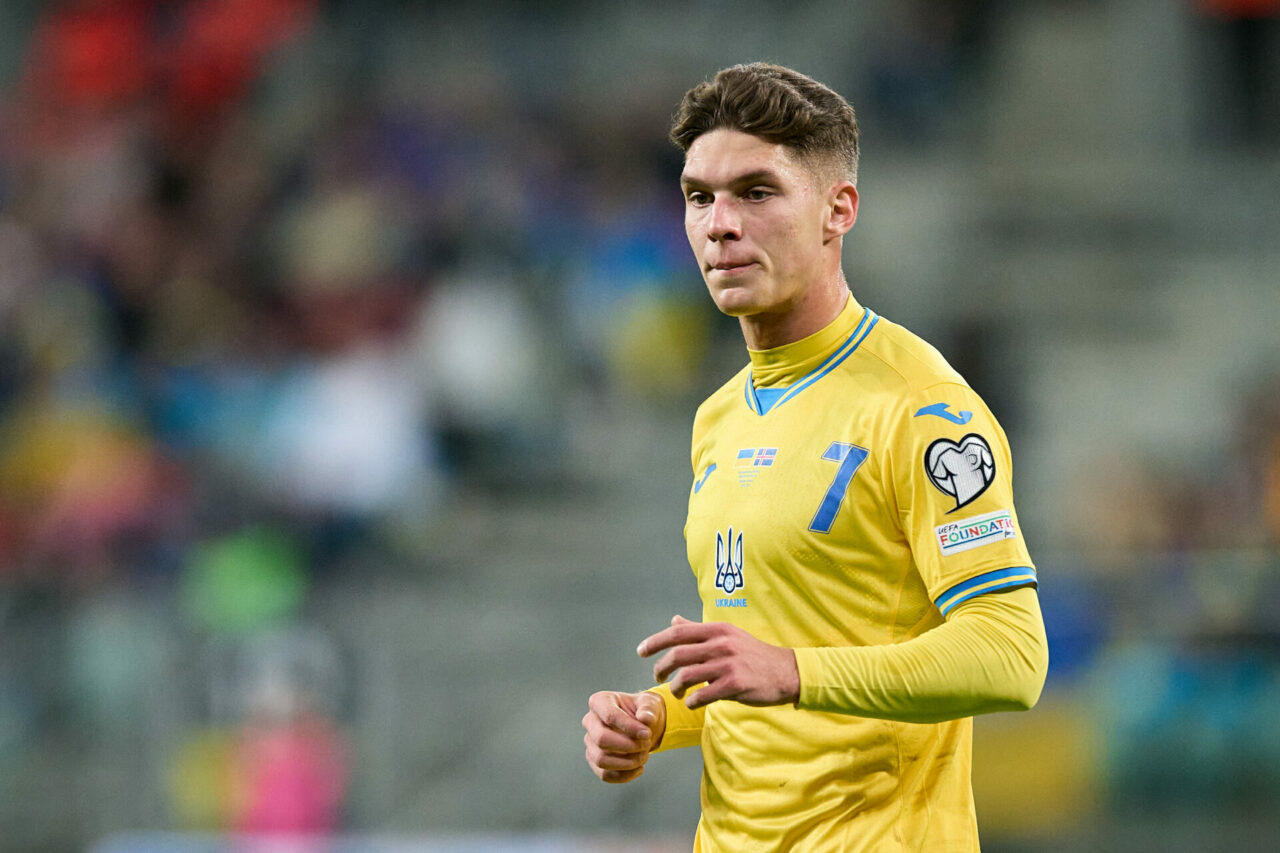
918	393
905	362
928	411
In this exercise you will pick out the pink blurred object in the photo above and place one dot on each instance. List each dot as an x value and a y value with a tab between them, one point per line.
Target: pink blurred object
292	778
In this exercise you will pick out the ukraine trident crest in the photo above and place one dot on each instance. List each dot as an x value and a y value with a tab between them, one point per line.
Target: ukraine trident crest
728	561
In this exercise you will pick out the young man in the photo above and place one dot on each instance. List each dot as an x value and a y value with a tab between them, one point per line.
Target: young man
865	586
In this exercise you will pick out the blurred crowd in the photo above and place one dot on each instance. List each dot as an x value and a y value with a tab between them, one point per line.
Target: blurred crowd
258	324
1181	637
220	300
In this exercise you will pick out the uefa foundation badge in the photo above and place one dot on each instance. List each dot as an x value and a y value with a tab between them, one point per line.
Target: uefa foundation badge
975	532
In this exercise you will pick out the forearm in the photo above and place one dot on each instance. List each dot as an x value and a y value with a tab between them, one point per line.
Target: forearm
683	726
991	655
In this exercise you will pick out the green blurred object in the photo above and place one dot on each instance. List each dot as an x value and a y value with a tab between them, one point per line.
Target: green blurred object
244	581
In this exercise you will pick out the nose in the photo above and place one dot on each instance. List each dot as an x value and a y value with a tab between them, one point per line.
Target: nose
724	223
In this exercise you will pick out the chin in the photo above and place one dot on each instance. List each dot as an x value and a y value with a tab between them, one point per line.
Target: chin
740	302
737	307
736	301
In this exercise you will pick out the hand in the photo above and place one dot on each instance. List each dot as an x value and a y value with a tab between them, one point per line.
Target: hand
734	664
622	729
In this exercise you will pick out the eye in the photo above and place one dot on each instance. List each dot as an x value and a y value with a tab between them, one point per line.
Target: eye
697	198
757	194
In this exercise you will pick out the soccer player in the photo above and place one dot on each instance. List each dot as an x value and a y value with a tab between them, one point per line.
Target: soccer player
865	586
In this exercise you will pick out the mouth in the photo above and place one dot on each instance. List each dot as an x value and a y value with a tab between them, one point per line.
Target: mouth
730	267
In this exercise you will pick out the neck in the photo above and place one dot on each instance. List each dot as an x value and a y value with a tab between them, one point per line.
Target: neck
814	311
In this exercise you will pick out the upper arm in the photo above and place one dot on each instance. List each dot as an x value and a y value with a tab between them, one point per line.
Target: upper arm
1013	623
951	476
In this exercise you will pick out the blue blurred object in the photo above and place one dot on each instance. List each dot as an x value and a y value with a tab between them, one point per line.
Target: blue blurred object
1075	620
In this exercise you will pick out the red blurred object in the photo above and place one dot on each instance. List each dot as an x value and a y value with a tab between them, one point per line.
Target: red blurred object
218	49
1241	8
86	59
90	58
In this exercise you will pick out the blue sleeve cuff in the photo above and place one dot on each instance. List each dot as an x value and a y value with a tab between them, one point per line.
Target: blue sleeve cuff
1000	580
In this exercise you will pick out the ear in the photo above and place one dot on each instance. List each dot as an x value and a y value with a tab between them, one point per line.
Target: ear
842	209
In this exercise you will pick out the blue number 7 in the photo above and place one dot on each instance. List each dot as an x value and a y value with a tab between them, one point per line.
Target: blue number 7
850	457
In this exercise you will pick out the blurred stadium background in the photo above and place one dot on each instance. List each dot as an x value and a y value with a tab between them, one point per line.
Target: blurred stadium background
348	352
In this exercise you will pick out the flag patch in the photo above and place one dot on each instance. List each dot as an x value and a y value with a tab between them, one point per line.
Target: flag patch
751	459
758	457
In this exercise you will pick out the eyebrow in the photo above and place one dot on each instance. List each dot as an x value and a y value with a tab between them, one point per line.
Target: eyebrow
756	177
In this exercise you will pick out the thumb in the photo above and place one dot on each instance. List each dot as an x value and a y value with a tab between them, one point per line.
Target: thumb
647	707
680	620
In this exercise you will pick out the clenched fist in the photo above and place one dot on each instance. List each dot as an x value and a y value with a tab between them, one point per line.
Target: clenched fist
622	729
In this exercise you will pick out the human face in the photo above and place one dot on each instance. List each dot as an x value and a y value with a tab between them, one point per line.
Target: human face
756	219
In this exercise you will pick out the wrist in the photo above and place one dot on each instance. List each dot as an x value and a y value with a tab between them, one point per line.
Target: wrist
792	686
658	727
658	709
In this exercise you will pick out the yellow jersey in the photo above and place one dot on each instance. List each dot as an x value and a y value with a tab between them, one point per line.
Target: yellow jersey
849	490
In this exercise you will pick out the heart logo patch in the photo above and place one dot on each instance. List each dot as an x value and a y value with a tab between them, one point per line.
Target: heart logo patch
962	470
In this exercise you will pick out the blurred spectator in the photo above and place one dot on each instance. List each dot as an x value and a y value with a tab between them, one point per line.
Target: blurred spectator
81	485
1243	101
270	762
480	344
248	581
1258	454
925	55
291	760
215	52
88	60
291	769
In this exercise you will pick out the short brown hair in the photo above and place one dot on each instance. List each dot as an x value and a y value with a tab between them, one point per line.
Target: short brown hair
778	105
